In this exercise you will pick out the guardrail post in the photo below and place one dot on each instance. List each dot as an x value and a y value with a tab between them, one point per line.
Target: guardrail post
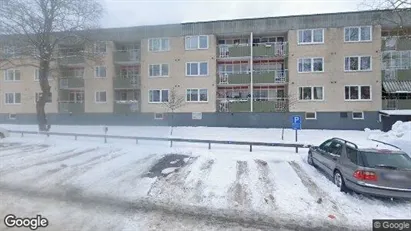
48	135
136	141
171	143
22	134
75	137
105	139
251	147
296	149
209	145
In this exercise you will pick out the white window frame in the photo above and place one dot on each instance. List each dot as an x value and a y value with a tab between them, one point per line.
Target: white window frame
95	72
158	118
5	74
359	93
95	96
356	118
161	95
14	98
315	116
198	95
198	69
100	43
359	63
198	42
161	70
161	48
359	34
37	75
312	94
312	36
12	116
312	65
37	95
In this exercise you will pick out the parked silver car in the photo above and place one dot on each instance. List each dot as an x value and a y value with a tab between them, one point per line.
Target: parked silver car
378	172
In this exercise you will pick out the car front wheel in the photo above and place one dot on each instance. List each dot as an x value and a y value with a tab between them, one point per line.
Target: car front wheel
339	181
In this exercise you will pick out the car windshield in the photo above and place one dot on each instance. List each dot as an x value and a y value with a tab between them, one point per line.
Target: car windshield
375	159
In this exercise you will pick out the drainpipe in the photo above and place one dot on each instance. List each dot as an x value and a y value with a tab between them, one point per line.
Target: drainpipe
251	72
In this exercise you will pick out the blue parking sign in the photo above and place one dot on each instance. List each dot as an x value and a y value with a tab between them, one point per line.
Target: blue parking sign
296	122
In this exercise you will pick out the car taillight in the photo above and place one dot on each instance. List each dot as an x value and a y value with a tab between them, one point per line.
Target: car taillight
365	175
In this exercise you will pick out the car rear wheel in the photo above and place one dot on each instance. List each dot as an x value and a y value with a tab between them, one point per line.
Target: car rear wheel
339	181
310	159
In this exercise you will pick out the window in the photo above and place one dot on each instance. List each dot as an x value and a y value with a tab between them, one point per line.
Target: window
197	69
196	42
354	93
100	47
158	44
310	65
326	145
197	95
38	94
12	75
12	98
357	63
358	115
158	70
311	93
37	75
343	115
157	96
352	155
100	72
101	96
12	116
158	116
311	36
335	148
357	34
311	115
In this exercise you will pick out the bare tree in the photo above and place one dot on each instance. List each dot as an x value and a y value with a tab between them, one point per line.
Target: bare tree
289	102
393	13
34	30
175	101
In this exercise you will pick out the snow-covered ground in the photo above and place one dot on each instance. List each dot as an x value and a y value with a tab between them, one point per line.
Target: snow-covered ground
88	185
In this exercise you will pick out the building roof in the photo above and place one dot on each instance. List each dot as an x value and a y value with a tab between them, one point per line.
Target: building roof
396	112
397	86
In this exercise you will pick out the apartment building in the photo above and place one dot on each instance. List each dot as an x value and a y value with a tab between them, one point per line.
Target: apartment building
334	70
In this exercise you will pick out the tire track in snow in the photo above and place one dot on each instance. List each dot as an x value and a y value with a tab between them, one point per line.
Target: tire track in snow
316	191
14	147
205	169
76	170
45	162
268	186
123	173
172	187
239	194
30	150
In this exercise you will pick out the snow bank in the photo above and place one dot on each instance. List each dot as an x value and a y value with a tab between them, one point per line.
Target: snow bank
399	135
400	130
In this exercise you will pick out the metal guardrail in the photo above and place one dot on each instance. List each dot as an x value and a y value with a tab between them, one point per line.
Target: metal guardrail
171	140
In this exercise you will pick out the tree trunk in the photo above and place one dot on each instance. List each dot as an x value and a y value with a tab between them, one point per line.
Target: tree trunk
172	123
43	98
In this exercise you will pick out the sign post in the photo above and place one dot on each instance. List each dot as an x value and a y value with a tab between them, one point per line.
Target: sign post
296	125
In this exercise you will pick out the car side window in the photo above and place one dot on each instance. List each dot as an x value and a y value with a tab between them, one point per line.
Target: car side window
352	155
326	145
335	148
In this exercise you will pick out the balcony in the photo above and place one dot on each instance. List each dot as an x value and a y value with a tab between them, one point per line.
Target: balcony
259	105
275	49
71	107
71	83
396	104
126	56
396	43
126	107
259	77
399	75
71	60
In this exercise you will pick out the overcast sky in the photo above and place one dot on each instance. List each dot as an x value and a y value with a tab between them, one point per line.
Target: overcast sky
123	13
